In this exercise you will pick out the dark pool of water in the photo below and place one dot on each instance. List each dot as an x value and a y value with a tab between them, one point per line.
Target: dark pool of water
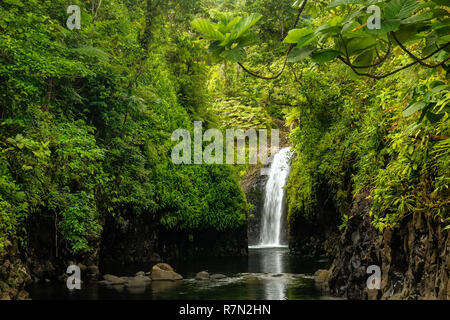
280	276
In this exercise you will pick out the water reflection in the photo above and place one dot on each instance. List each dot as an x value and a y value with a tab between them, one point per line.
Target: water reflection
272	261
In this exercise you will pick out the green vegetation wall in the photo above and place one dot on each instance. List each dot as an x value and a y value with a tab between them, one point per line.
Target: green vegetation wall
86	118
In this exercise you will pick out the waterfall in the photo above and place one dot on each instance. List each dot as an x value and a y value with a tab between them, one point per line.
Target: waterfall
273	204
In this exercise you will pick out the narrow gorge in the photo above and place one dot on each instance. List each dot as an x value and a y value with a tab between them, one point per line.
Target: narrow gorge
134	136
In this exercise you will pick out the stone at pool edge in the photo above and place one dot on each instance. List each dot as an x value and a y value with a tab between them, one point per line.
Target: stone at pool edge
321	280
250	277
205	276
164	272
109	279
202	276
137	282
129	282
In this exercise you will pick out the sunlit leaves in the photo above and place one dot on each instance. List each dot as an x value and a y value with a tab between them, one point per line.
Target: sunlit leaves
400	9
413	108
246	23
295	35
230	35
207	29
298	54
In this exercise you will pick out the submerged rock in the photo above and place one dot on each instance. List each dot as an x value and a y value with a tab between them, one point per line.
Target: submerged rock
250	277
163	271
143	278
202	275
218	276
129	282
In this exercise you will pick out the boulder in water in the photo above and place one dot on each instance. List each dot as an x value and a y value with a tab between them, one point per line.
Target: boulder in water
321	280
250	277
218	276
202	275
277	275
163	271
135	283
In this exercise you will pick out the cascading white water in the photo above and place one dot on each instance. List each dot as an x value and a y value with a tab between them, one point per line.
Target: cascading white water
273	204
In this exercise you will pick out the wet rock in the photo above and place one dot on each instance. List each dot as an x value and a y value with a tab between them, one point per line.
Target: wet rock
113	280
163	271
413	258
143	278
277	275
140	273
218	276
321	279
126	279
250	277
202	276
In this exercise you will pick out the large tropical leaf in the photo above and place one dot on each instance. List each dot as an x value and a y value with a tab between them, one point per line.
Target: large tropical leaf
359	44
386	26
207	29
413	108
234	55
400	9
300	53
295	35
246	23
326	55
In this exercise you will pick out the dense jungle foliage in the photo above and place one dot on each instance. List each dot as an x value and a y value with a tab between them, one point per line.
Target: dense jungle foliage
368	108
87	115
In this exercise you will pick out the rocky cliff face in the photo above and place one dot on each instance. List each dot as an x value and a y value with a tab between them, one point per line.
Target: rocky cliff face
140	239
315	236
14	275
254	187
414	258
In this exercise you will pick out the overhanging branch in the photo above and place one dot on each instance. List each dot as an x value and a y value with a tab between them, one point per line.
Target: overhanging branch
300	10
